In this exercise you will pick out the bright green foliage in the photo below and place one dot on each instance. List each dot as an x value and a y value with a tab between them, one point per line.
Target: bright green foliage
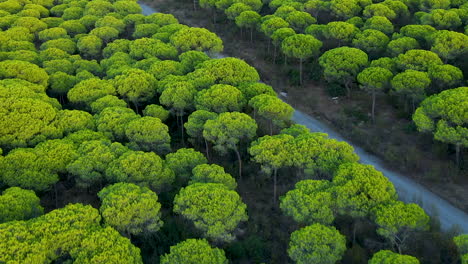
319	155
85	135
360	188
73	27
374	80
110	21
397	221
18	204
145	30
98	8
462	243
94	158
88	91
23	70
107	34
310	202
54	66
106	246
52	33
254	4
214	209
345	9
130	209
199	39
148	48
411	84
26	241
236	9
316	7
268	27
183	161
445	76
136	86
372	41
343	64
194	251
127	7
386	63
316	244
301	47
449	45
212	173
178	96
191	59
281	34
70	121
299	20
295	130
248	19
250	90
389	257
444	115
230	71
442	19
220	98
273	109
162	69
157	111
64	44
418	32
26	118
141	168
161	19
33	24
401	46
119	45
427	5
379	23
379	10
148	134
340	32
195	123
113	121
419	60
107	101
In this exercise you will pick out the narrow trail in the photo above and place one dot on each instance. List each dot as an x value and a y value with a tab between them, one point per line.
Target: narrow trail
408	190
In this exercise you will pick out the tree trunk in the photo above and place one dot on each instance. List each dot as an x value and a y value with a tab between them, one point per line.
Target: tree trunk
251	35
457	157
285	60
207	149
268	47
194	5
300	71
271	128
182	129
348	89
275	173
240	163
136	107
214	16
373	106
56	195
241	29
274	54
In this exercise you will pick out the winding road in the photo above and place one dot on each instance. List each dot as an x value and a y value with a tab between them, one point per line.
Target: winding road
408	190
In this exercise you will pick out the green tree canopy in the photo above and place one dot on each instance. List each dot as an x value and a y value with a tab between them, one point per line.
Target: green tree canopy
343	64
113	121
445	116
194	251
374	80
183	161
141	168
316	244
389	257
148	134
273	109
199	39
213	208
360	188
301	47
398	221
212	173
228	130
311	201
220	98
136	86
130	209
18	204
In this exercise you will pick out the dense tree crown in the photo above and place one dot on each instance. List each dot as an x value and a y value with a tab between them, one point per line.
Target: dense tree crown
96	100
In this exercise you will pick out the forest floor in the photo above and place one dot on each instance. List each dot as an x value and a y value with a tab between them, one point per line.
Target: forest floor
392	137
